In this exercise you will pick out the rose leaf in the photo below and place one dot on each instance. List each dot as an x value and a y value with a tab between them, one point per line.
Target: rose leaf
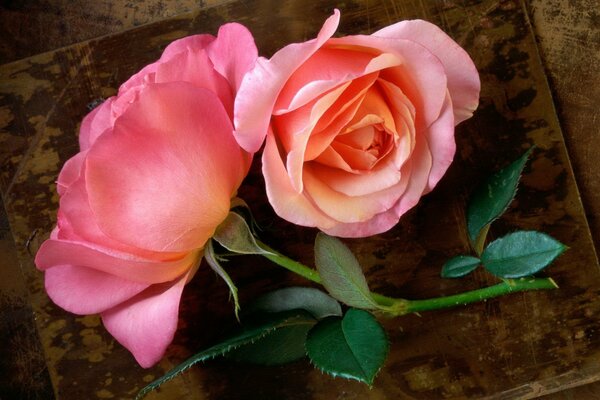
341	273
316	302
459	266
353	347
282	345
520	254
491	199
249	335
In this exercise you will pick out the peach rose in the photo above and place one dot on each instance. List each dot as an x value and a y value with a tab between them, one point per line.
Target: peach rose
155	176
358	128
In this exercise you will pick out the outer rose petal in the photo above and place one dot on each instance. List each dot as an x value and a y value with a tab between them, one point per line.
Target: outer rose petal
421	75
87	291
78	223
463	79
86	255
169	191
194	43
440	137
70	172
95	123
233	53
195	67
261	86
146	323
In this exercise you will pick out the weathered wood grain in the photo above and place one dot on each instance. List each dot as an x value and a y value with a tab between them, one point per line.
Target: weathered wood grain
516	347
568	33
569	36
23	371
32	27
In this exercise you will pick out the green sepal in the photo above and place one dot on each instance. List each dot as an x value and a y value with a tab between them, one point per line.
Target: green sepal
235	235
315	301
246	337
491	199
352	347
459	266
239	205
520	254
213	261
341	273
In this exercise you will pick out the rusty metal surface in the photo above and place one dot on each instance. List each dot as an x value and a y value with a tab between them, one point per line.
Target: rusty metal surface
519	346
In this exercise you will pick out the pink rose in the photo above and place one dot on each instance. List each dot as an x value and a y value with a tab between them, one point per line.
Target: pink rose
155	176
359	127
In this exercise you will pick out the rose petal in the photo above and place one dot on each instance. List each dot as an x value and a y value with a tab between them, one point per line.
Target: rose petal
193	43
352	184
328	67
420	169
418	172
195	67
440	138
54	253
288	203
404	118
260	87
78	223
233	53
358	160
146	323
338	116
70	172
373	110
289	99
296	128
349	209
331	158
419	73
463	78
164	178
87	291
95	124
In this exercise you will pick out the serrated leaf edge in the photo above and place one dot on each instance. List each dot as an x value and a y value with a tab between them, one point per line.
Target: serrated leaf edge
387	347
367	295
210	354
561	248
524	157
473	268
347	376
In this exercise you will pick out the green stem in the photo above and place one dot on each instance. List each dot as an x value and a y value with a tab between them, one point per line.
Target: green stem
473	296
289	264
397	306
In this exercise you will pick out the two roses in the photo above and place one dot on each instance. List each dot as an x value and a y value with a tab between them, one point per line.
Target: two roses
357	129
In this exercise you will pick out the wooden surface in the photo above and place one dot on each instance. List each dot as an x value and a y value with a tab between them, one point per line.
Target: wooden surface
29	27
568	35
517	347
